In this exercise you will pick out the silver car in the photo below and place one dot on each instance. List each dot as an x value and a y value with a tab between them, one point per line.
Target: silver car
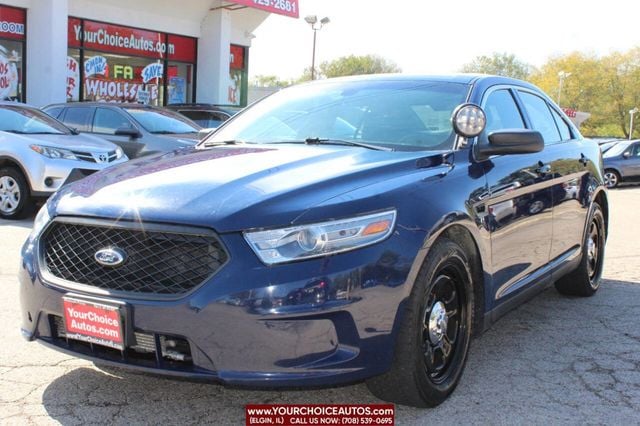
622	163
138	129
38	155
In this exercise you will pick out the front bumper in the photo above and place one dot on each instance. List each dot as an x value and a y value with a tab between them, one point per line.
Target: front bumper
48	175
318	322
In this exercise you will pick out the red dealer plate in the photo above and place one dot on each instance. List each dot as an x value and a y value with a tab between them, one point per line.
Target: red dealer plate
93	322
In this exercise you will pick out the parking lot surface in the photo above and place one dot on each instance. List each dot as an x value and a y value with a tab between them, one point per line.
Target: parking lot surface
555	359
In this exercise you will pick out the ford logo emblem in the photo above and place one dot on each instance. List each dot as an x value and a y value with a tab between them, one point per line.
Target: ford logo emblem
110	256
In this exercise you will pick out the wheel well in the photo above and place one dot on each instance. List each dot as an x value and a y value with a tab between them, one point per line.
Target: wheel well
8	162
601	199
464	239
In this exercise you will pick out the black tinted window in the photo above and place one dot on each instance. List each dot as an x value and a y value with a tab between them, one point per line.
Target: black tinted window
502	112
79	118
636	150
565	133
205	118
108	121
541	118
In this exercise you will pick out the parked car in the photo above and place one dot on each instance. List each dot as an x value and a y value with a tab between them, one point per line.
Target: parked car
604	147
38	155
622	163
332	232
138	129
206	115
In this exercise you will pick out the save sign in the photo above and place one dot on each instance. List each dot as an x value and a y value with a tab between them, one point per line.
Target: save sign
152	71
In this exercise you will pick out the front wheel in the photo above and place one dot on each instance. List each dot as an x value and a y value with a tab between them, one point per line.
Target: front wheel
611	178
433	341
15	202
585	279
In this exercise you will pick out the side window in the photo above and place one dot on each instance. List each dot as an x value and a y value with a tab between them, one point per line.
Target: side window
502	112
636	150
78	117
107	121
541	117
565	133
54	111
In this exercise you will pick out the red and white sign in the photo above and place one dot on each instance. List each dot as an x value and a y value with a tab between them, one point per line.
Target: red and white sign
12	23
99	89
8	77
131	41
73	79
93	322
281	7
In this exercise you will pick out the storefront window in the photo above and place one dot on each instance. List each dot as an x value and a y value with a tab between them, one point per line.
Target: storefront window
238	79
123	64
12	37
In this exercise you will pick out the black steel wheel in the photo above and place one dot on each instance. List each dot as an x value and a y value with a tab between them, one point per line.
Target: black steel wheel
433	341
585	279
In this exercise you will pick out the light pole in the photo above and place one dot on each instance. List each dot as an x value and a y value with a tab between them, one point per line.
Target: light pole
561	75
632	112
315	26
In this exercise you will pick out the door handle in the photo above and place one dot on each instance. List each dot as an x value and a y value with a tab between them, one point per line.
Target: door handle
583	160
543	169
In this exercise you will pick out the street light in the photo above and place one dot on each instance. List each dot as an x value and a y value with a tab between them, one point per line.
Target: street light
632	112
315	26
561	75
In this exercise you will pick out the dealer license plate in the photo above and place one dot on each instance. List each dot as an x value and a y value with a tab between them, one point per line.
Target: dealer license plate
93	322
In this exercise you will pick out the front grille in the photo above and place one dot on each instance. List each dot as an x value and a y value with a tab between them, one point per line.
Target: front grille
157	262
107	157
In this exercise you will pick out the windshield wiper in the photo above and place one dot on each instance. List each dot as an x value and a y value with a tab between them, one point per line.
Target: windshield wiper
327	141
229	142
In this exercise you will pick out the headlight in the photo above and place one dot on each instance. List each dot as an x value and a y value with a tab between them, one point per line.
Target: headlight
119	153
41	220
51	152
320	239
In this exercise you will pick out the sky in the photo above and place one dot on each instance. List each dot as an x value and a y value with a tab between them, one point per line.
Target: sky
439	36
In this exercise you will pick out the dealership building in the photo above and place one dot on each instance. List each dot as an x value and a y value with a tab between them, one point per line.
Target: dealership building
150	51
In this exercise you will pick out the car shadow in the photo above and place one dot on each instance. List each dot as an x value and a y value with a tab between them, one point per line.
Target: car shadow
528	365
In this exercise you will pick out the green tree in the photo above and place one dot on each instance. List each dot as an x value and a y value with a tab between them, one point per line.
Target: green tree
504	64
357	65
270	81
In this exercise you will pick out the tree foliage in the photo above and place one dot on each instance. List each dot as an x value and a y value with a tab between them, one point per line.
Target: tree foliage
270	81
356	65
503	64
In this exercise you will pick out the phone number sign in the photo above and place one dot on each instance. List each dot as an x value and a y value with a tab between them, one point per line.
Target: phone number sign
281	7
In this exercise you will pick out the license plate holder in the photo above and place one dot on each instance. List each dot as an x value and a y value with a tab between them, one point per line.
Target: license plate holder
94	321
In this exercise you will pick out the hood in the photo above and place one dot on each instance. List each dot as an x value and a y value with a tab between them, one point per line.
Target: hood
81	142
231	188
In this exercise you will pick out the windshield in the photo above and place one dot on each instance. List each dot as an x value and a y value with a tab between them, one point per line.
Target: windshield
404	115
24	120
162	121
616	150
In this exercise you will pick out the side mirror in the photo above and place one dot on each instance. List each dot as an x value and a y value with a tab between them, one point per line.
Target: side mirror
510	141
128	131
626	154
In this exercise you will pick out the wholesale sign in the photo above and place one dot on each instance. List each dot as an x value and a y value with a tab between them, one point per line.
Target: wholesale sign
281	7
12	23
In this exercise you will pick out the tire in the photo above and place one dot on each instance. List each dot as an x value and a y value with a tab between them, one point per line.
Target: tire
422	374
585	279
15	197
611	178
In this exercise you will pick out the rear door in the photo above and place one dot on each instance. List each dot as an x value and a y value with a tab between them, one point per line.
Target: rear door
78	117
519	205
568	175
632	163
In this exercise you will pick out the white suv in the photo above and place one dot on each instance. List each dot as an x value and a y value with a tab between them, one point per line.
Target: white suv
39	154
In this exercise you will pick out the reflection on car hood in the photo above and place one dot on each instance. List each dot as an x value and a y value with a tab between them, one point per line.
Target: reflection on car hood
231	187
81	142
187	139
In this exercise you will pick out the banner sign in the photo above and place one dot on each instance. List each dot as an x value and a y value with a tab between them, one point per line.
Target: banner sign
117	90
96	65
280	7
12	23
73	79
236	61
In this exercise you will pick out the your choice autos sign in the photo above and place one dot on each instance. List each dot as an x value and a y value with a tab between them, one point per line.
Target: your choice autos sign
281	7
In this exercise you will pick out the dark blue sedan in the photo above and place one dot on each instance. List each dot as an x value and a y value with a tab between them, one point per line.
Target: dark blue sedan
343	230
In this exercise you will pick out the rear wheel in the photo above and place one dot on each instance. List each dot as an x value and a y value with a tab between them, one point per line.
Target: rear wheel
433	341
15	201
585	279
611	178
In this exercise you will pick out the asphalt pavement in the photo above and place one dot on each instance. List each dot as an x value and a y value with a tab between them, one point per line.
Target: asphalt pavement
554	360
